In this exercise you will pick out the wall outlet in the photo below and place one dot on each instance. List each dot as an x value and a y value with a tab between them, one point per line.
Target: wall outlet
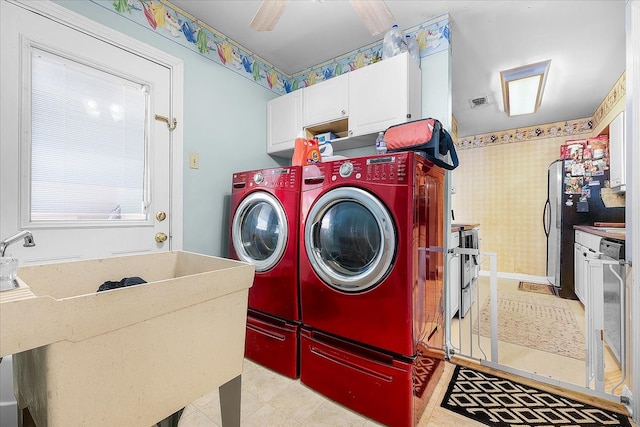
194	161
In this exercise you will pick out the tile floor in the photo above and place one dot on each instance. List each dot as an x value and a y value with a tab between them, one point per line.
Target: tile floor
545	364
270	399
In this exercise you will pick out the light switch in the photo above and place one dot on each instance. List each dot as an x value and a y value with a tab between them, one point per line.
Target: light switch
194	161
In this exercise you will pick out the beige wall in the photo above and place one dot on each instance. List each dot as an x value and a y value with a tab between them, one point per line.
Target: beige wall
503	186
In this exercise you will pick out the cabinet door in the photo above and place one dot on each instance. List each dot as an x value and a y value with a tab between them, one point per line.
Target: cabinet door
578	270
384	94
284	122
617	152
326	101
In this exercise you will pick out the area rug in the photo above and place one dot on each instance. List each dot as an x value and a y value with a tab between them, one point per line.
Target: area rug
541	322
535	288
499	402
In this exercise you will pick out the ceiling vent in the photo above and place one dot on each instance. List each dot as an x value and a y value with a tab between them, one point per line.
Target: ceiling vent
479	102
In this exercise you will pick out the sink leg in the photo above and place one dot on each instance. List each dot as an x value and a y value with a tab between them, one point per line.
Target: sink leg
172	420
24	418
230	402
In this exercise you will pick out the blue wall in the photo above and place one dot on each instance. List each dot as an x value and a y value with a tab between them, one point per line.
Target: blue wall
224	122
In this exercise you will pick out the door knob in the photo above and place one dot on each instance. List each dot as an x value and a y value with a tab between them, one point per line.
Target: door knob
161	237
161	216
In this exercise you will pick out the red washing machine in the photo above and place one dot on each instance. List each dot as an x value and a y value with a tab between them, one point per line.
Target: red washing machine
371	283
265	215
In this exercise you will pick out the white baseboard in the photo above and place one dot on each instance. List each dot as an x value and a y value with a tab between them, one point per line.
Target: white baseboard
518	276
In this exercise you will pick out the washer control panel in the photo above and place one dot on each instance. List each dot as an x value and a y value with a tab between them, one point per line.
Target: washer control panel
285	178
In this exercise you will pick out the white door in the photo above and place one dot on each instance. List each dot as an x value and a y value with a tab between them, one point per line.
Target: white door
84	164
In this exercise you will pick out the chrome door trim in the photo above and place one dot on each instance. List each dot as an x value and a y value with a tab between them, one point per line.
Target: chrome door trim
383	261
238	219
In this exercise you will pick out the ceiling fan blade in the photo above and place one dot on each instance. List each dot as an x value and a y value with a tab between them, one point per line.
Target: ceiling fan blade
376	15
268	14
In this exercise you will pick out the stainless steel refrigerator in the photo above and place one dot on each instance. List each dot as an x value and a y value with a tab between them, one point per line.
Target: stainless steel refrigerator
573	198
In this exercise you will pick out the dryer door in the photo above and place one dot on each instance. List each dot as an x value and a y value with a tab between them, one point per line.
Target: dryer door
350	239
259	230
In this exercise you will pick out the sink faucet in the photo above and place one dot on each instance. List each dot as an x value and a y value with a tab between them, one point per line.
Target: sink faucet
26	235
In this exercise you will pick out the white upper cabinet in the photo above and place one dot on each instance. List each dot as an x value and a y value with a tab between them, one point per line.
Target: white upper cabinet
284	122
384	94
617	153
326	101
354	106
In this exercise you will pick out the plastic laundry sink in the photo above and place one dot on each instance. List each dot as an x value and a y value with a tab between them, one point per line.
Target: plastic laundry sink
128	356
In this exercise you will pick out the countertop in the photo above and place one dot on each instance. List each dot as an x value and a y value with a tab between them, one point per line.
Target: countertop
461	227
600	231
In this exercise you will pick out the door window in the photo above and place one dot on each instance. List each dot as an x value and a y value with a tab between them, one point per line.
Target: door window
88	147
259	230
350	239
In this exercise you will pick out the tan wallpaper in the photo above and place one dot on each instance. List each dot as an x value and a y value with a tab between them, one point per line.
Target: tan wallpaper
504	188
501	183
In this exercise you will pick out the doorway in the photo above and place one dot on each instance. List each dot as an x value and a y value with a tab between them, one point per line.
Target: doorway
539	335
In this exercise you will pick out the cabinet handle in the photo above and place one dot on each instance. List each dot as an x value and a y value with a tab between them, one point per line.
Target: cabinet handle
344	113
350	133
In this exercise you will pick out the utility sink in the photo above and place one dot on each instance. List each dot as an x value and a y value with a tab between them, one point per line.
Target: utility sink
128	356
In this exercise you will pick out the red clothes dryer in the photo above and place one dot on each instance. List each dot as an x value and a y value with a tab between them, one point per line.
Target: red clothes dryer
371	283
264	217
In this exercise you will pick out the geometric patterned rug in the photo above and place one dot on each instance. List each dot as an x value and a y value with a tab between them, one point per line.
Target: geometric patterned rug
500	402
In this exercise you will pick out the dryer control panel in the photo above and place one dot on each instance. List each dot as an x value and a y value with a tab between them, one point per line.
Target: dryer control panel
285	178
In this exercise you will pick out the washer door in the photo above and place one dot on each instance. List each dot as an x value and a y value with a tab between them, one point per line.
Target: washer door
350	239
259	230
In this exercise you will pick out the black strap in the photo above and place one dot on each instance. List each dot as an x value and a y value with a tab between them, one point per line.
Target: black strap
449	147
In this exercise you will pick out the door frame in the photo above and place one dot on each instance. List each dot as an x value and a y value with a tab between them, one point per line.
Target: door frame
633	184
175	65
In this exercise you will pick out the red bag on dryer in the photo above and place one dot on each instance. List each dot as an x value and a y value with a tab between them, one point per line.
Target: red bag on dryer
426	136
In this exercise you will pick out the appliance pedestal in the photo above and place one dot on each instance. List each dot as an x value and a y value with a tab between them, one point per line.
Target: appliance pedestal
273	343
386	388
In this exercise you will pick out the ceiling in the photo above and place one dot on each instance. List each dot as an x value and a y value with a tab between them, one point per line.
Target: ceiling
585	41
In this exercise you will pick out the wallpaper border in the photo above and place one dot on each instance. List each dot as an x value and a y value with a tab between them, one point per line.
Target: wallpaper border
567	128
175	24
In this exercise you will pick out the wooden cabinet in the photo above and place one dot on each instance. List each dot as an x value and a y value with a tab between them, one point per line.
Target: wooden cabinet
617	153
284	122
326	101
355	106
384	94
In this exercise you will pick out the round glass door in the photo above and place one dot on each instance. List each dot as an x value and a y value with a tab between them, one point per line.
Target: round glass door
259	231
350	239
